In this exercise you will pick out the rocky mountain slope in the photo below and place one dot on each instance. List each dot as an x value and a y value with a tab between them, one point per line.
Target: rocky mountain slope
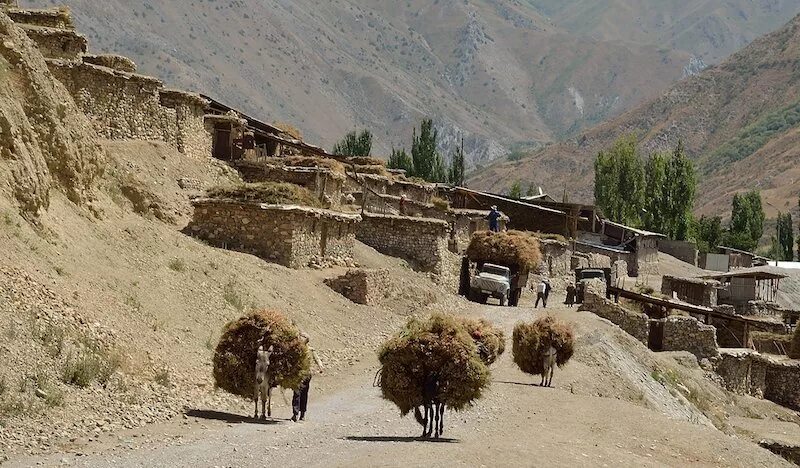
738	120
495	71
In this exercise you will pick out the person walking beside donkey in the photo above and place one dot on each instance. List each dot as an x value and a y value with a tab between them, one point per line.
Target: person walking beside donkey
494	219
300	396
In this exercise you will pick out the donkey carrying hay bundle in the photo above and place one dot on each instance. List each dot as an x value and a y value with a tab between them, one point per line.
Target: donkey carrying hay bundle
539	346
432	363
283	353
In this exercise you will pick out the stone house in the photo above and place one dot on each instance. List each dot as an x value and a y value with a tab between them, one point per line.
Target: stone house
695	291
421	241
324	183
289	235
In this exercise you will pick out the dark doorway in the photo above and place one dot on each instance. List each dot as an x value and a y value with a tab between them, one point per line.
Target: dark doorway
656	339
222	144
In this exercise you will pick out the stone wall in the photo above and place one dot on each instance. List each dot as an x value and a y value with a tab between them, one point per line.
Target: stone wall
682	250
692	290
368	287
323	183
121	105
292	236
50	18
421	241
191	136
556	258
115	62
613	256
689	334
747	372
382	185
635	324
646	256
57	43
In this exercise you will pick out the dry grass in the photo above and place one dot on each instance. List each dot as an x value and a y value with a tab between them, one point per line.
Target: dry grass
297	161
372	169
84	367
505	248
274	193
490	340
440	346
532	340
235	355
289	129
440	204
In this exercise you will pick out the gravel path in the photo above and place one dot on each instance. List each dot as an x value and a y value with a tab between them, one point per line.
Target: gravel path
517	423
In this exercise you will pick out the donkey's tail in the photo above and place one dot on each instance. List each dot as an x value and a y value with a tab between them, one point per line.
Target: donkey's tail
376	382
418	416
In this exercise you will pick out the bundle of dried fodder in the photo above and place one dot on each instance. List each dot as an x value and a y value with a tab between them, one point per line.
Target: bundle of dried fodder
235	356
505	248
439	346
490	340
273	193
531	341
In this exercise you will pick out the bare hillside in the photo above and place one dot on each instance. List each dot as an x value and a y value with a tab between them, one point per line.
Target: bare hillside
738	120
497	71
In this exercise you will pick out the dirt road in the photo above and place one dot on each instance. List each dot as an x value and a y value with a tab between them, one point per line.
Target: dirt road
517	423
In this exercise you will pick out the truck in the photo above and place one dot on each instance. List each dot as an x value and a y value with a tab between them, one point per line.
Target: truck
501	282
584	275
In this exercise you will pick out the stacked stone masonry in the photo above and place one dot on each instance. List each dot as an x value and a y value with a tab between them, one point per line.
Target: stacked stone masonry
747	372
114	62
191	136
689	334
56	43
292	236
635	324
367	287
58	18
556	258
322	182
421	241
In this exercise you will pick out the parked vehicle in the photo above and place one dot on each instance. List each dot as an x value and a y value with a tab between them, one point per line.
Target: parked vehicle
501	282
584	275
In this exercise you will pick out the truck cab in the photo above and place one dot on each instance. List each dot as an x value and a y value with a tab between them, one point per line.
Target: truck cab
491	281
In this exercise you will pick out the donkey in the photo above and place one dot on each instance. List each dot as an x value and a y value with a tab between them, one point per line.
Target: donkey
264	384
433	421
548	366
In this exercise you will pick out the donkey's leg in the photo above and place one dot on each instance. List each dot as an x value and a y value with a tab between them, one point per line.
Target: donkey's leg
263	404
269	401
428	421
441	418
256	401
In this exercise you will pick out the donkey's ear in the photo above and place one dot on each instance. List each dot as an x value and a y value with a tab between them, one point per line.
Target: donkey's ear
271	349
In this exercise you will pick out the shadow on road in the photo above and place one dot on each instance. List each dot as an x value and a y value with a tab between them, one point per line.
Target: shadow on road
517	383
228	417
401	439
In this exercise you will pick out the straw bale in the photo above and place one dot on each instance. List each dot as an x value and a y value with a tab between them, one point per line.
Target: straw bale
505	248
235	355
531	341
437	345
274	193
490	340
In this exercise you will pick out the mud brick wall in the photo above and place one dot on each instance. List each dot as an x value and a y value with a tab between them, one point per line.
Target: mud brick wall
50	18
689	334
191	136
368	287
635	324
743	371
556	258
57	43
421	241
115	62
682	250
291	236
121	105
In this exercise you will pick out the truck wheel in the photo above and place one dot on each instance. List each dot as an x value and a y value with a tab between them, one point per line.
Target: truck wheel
484	298
503	301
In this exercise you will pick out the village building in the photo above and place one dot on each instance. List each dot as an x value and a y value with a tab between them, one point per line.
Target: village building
749	291
292	236
695	291
326	184
742	259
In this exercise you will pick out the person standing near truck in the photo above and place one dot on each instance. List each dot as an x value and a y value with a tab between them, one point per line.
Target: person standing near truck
541	294
494	219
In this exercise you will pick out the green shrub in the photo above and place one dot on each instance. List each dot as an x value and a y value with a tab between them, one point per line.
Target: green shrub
177	264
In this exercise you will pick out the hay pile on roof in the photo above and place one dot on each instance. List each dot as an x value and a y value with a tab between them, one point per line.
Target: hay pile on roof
371	169
235	356
274	193
532	340
490	340
362	160
305	161
441	346
505	248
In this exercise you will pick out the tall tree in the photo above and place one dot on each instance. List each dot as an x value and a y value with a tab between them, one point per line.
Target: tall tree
401	160
428	163
619	182
784	238
679	200
747	221
531	191
656	193
457	166
708	233
354	144
516	190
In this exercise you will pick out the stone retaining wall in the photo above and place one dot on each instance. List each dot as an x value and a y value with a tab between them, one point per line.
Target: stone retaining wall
115	62
747	372
368	287
421	241
191	136
57	43
325	184
689	334
58	18
635	324
292	236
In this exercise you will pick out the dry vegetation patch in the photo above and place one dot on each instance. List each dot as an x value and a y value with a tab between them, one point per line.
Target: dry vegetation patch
274	193
532	340
505	248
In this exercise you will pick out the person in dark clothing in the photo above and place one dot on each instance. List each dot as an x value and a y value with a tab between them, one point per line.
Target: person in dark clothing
570	295
300	396
547	289
494	219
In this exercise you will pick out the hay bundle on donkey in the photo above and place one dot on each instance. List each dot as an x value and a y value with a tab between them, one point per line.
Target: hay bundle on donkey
531	342
438	346
490	340
505	248
235	356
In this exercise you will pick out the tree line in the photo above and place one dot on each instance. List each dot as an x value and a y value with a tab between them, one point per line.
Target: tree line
425	160
658	194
